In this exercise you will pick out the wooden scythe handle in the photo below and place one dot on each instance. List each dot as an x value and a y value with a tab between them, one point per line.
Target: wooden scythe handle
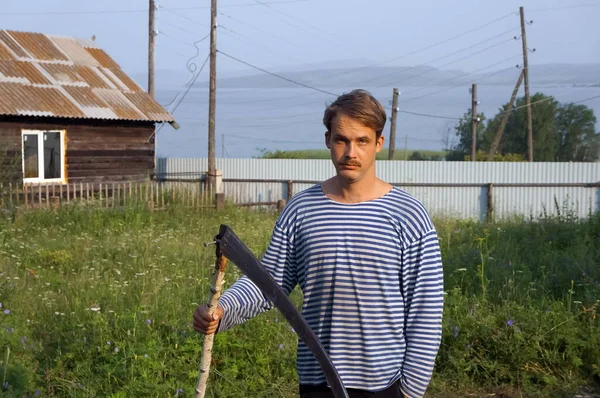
215	293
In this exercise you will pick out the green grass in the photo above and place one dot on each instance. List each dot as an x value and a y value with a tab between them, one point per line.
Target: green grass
399	154
100	304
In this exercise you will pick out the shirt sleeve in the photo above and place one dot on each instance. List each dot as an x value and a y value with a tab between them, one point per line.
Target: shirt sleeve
422	288
244	300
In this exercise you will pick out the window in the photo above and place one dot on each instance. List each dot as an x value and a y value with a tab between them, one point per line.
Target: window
43	156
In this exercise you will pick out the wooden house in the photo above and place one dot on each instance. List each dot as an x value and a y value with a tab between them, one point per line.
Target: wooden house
69	114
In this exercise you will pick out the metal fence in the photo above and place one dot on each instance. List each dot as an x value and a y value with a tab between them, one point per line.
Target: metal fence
469	190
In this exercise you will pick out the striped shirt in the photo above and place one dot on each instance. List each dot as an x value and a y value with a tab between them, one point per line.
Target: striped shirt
372	283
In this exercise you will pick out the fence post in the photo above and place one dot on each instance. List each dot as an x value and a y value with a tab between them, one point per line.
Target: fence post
490	203
280	204
290	189
219	193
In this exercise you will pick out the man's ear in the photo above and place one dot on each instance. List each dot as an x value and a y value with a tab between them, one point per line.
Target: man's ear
327	137
379	143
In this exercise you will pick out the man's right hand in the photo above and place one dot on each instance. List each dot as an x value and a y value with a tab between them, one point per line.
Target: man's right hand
205	323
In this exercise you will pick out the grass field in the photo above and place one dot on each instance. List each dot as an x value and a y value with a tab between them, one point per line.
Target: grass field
399	154
98	303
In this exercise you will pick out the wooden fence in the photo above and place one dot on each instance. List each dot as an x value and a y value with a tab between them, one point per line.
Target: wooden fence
157	195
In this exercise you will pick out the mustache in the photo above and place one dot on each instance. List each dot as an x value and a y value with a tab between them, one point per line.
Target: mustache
351	163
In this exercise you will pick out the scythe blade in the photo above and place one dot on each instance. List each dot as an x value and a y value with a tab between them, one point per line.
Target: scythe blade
235	250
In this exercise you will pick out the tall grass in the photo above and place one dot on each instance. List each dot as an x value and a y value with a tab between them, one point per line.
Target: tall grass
98	302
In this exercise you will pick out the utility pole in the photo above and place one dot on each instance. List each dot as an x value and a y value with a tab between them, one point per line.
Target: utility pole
392	146
405	147
151	45
527	97
222	145
474	122
212	95
504	120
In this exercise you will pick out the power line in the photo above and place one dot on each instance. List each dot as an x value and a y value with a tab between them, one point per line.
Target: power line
311	87
138	10
162	21
171	50
417	51
442	57
175	12
271	35
230	32
191	67
276	75
460	76
457	85
320	36
189	86
162	33
252	43
563	8
428	115
351	71
242	5
587	99
457	60
270	140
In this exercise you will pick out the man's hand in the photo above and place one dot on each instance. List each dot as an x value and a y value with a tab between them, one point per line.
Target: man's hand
205	323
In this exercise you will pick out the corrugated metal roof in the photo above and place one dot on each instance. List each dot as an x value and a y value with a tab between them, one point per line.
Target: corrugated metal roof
21	72
21	99
45	75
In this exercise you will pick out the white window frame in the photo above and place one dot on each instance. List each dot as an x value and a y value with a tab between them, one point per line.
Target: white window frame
63	170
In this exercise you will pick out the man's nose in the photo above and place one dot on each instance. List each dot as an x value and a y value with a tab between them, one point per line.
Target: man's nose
350	150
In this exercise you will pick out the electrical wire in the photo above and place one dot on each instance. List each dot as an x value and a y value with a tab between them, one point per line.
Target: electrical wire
276	75
461	84
456	60
444	57
420	88
162	33
139	10
317	89
563	8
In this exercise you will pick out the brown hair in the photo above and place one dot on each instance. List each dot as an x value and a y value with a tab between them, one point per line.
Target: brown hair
360	105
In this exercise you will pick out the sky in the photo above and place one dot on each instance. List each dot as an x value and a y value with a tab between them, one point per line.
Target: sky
282	35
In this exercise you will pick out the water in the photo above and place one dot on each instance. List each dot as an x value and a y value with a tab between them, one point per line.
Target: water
248	120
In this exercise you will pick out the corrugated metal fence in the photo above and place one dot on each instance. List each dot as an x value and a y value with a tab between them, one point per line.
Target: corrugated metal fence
456	189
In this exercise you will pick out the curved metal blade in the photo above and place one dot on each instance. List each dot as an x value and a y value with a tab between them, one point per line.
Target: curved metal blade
234	249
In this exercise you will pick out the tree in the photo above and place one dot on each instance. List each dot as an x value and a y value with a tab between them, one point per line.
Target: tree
561	132
577	137
514	139
464	131
416	155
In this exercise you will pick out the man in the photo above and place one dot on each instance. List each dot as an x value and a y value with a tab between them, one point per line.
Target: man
367	258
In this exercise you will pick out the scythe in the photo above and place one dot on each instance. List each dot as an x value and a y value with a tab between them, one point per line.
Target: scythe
231	247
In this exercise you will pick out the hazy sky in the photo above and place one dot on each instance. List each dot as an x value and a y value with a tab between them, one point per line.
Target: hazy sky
301	33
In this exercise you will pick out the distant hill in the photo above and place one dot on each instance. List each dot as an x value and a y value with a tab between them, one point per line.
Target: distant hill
398	76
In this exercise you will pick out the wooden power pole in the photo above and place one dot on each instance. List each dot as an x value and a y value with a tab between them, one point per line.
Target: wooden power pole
527	96
392	145
504	120
474	122
151	45
212	96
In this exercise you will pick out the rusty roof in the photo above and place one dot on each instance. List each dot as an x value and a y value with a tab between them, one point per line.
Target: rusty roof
57	76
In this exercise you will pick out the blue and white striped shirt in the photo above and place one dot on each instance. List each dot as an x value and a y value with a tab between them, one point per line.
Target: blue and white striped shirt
372	283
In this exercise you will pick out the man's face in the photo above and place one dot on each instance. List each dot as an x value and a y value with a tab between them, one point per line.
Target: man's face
353	147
